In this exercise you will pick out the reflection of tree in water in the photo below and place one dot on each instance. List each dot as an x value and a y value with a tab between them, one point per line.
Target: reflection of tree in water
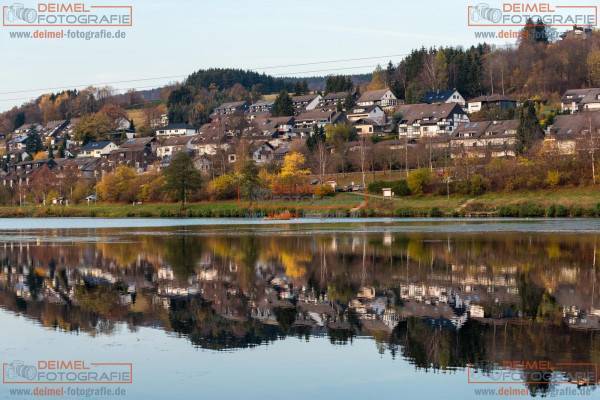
428	345
240	306
182	253
205	328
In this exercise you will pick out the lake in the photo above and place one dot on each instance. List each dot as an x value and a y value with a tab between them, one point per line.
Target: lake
320	309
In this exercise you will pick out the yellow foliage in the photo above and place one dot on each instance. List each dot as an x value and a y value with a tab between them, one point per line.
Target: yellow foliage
292	165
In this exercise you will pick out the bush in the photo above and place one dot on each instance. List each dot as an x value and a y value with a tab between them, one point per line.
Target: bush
436	213
418	180
400	187
323	190
553	178
478	185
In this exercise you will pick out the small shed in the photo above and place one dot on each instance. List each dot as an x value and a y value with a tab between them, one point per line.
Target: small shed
387	192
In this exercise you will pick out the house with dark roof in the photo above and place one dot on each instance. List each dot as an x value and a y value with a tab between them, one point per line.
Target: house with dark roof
485	139
306	102
178	129
576	100
229	108
429	120
260	107
138	153
372	112
317	117
173	145
263	153
274	126
499	101
332	99
383	98
443	96
97	149
569	131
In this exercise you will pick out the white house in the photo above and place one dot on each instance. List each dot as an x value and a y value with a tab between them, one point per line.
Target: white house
495	100
575	100
306	102
97	149
372	112
174	145
427	120
444	96
383	97
176	130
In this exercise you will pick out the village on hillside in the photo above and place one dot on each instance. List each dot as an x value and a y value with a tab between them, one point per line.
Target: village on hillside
363	128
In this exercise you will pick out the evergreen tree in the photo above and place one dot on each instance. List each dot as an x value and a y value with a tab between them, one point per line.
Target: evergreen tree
317	135
283	105
50	152
33	143
181	177
529	128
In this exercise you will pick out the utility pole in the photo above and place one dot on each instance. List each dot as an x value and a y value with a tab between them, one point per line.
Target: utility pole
592	151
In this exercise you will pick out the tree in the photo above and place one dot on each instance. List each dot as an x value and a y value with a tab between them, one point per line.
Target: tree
283	105
119	185
249	181
593	64
93	127
301	87
33	143
529	128
181	177
338	83
378	79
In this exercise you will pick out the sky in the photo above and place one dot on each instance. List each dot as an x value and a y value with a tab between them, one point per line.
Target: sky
175	38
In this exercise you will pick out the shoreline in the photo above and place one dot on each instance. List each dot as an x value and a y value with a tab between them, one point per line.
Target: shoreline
571	202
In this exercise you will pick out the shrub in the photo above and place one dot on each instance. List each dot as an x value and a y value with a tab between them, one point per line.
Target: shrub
436	213
477	185
418	180
552	178
323	190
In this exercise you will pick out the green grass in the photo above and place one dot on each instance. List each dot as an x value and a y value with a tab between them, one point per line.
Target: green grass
580	202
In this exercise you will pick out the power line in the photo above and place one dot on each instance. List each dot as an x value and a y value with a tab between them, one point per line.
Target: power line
184	75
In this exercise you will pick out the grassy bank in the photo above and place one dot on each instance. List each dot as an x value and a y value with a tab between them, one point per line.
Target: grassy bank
566	202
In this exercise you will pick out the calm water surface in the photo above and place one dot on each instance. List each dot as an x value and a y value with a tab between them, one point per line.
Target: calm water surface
230	309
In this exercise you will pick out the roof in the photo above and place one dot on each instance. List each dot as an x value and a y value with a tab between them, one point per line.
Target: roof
90	146
366	121
336	95
177	141
492	98
433	113
575	124
176	126
315	115
232	104
437	96
373	95
135	144
262	103
581	95
478	128
364	109
304	98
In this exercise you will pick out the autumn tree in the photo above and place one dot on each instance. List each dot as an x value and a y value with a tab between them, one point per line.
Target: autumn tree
119	185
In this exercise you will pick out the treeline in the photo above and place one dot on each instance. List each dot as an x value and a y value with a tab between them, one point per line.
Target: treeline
534	67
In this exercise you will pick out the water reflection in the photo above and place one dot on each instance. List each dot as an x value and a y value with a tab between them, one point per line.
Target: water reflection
441	301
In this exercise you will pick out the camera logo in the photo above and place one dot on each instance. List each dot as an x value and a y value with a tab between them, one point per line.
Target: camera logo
18	370
18	12
483	12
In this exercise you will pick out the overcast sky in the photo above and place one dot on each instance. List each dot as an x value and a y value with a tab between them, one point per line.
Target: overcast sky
177	37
